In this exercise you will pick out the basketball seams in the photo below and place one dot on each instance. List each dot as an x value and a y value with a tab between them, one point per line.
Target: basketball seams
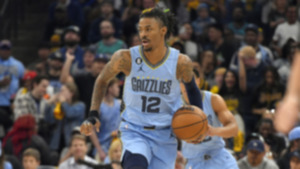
190	124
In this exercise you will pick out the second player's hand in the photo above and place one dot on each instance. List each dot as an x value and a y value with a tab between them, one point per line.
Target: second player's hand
87	127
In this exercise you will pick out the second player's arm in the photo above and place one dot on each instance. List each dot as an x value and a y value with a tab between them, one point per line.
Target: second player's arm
230	128
185	74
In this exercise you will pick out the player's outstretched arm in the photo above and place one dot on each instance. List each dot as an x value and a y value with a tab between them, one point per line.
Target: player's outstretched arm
230	128
287	113
120	62
185	73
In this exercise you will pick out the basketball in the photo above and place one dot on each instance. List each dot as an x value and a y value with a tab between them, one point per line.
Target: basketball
189	123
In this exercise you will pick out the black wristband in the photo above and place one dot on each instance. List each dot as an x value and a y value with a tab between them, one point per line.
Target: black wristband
93	116
94	113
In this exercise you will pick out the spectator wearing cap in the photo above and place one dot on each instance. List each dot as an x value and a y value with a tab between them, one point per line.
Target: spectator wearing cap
255	157
263	54
107	13
203	19
295	160
11	72
74	12
3	163
54	71
108	45
27	83
32	102
294	145
239	24
222	48
85	81
286	30
71	42
41	64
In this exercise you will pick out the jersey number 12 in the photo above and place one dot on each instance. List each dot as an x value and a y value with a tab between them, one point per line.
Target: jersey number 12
150	104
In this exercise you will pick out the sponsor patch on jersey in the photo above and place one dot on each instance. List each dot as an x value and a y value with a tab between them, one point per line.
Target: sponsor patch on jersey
138	60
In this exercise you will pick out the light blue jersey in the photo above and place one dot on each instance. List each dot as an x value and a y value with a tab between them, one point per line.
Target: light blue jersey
211	152
151	92
151	97
110	121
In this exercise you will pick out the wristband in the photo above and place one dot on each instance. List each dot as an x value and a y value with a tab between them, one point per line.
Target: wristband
93	116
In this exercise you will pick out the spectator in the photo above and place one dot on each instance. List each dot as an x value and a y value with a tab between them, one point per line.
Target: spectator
84	82
283	64
109	118
130	18
276	16
250	73
88	58
218	79
74	12
41	64
209	65
275	142
79	151
294	145
54	71
263	54
268	93
109	44
203	20
238	26
114	154
286	30
230	91
66	112
190	47
255	157
22	136
33	101
31	159
3	163
11	71
222	49
134	40
27	83
71	41
295	160
106	9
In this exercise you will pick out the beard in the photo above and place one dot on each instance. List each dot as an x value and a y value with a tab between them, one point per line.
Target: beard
107	36
71	43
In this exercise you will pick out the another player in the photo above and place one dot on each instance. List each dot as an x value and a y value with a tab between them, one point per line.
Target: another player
211	153
151	93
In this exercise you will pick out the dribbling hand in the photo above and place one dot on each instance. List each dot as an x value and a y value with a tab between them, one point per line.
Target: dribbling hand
87	126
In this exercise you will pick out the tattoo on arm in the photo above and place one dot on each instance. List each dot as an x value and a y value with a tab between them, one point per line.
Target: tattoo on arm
120	62
184	70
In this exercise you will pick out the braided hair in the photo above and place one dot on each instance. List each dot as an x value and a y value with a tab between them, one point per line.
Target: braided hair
163	15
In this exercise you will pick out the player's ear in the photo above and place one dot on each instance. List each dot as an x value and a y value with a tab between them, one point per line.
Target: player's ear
164	30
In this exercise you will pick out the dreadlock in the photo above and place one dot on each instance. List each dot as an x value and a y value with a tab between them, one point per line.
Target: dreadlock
163	15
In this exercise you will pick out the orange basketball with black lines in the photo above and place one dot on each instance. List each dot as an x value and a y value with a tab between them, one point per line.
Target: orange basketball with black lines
189	123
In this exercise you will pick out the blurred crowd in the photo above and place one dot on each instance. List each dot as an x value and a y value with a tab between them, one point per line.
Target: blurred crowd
241	50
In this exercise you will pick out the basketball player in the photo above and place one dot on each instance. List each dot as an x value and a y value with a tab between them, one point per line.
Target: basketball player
151	93
287	113
211	153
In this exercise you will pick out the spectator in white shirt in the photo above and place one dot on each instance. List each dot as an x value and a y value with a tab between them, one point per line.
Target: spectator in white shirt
78	151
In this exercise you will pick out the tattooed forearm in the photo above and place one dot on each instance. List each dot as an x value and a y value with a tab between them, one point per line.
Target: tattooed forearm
184	69
120	62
